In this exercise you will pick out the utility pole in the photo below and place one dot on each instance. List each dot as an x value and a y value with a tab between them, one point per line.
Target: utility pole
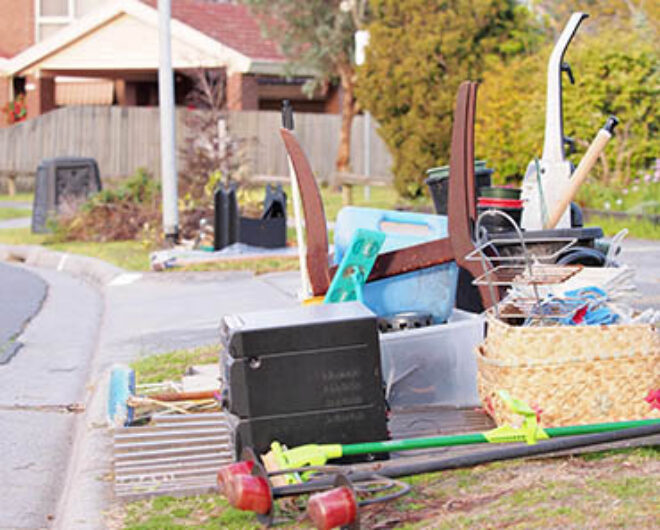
167	125
361	42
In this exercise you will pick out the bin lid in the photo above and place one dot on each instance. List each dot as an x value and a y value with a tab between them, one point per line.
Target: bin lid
442	172
437	173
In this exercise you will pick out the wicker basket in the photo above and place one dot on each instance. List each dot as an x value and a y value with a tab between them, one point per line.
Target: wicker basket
575	375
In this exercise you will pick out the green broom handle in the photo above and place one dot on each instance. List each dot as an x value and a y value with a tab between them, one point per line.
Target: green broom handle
593	428
478	438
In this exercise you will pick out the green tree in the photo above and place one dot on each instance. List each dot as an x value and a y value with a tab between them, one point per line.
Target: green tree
418	54
643	15
317	36
616	73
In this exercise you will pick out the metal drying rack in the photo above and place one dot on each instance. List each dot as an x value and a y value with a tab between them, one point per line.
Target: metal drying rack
535	270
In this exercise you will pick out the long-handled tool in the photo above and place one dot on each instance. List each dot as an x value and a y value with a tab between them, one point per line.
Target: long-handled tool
554	169
530	432
249	486
588	161
122	397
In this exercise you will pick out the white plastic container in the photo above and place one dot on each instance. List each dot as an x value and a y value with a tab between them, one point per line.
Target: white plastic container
435	365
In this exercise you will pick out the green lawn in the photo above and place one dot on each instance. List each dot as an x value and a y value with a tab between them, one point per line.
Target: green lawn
13	213
172	365
134	255
610	489
130	255
380	197
19	197
636	229
616	489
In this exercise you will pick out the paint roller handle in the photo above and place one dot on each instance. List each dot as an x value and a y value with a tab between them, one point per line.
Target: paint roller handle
588	161
184	396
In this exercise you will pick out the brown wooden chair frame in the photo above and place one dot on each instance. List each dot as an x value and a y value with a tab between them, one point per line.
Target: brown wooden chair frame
461	211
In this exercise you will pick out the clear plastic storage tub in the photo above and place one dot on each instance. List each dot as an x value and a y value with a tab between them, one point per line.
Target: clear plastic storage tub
434	365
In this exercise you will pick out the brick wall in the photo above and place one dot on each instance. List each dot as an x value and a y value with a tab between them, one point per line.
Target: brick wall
40	95
242	92
17	26
333	101
4	98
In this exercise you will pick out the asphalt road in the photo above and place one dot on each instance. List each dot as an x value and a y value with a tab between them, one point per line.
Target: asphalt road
644	258
37	390
21	296
157	312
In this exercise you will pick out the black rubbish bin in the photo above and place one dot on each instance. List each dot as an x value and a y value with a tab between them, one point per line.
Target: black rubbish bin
438	183
59	180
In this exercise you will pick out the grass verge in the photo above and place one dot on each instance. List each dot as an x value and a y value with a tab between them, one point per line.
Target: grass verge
258	266
172	365
134	255
14	213
636	228
19	197
601	490
616	488
130	255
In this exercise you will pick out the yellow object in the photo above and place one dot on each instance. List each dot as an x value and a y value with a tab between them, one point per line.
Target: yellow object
530	431
314	300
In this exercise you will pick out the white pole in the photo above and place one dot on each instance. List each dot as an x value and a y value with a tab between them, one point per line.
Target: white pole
361	42
367	153
167	125
305	285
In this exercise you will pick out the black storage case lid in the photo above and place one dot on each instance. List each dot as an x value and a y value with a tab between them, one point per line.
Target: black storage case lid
269	332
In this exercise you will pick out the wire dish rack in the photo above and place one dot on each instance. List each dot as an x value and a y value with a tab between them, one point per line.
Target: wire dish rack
523	272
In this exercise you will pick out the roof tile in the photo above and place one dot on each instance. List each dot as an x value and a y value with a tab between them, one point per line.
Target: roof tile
230	24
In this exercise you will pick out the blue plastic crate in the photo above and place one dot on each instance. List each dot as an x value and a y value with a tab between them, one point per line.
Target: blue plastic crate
432	290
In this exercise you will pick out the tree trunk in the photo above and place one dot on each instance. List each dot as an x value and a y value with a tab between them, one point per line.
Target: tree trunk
343	161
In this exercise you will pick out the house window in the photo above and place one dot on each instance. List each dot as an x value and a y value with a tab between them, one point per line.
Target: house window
87	6
54	8
53	15
18	85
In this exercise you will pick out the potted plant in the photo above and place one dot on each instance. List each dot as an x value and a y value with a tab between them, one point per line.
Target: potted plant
16	110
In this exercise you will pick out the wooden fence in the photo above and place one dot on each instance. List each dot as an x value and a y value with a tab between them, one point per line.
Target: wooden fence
122	139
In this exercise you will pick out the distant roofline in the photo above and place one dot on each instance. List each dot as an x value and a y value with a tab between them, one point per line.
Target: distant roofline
235	61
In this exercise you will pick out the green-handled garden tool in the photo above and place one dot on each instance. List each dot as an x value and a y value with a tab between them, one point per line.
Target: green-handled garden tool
281	458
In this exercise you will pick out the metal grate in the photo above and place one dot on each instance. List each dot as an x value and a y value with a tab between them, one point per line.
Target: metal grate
174	454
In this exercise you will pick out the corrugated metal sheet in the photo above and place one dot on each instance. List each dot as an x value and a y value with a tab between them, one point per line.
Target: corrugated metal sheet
172	455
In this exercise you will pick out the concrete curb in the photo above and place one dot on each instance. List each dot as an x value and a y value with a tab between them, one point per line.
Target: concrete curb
99	274
94	270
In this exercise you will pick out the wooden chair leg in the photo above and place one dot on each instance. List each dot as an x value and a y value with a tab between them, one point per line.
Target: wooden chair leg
316	230
461	209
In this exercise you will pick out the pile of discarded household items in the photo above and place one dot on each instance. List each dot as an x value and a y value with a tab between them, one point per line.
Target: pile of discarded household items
387	365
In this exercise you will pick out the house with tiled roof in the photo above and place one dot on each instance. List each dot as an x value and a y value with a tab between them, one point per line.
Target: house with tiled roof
109	56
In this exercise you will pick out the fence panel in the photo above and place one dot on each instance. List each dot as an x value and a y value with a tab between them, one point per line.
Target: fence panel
122	139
